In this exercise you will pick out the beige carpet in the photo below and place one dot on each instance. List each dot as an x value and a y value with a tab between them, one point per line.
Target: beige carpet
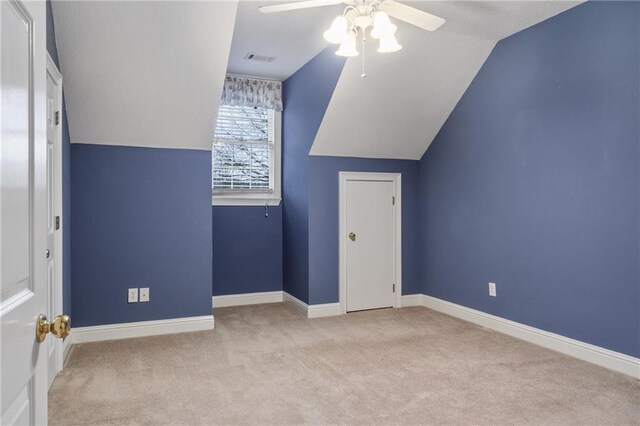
267	364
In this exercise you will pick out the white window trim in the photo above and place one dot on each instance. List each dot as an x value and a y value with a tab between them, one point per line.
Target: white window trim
272	198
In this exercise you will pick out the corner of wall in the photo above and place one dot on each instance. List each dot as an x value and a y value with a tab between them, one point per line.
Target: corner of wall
306	97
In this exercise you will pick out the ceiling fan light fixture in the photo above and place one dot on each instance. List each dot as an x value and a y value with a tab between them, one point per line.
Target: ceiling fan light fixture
348	47
389	44
382	26
337	32
363	18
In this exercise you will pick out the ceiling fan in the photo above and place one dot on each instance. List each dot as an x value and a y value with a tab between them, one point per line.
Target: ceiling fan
358	16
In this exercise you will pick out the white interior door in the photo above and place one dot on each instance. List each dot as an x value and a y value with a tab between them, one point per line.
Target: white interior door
54	212
23	295
370	244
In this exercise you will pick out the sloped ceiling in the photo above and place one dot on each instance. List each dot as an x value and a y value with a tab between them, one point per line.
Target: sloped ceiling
143	73
292	38
151	73
398	109
400	106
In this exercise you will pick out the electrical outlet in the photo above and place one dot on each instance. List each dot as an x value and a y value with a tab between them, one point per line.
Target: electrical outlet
133	295
144	294
492	289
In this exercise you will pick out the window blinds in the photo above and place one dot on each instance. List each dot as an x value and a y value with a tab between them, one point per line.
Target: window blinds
243	149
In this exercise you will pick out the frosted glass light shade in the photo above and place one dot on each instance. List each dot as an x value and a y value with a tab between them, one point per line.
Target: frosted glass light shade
337	33
389	44
382	26
348	47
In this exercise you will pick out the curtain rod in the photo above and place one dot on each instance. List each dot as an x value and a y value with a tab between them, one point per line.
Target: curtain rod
254	77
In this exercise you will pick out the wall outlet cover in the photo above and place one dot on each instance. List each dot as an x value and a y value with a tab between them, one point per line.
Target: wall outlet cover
144	294
492	289
133	295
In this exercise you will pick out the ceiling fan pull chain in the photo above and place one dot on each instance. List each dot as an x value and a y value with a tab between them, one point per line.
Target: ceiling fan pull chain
364	74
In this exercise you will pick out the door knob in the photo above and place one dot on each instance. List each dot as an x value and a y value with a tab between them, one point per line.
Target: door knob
352	236
59	327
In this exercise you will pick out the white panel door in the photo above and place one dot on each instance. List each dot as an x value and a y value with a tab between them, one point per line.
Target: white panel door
23	293
370	245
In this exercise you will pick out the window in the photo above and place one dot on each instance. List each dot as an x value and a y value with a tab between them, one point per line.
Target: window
245	156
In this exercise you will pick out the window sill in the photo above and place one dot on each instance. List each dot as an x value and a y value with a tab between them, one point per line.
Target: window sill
244	200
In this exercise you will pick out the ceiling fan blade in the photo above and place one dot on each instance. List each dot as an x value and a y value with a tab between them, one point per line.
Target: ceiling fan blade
412	15
298	5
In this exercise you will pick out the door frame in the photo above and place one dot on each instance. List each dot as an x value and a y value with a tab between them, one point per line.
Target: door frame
56	76
343	178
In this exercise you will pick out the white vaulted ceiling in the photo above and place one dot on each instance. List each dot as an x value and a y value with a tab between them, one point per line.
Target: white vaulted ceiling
398	109
292	38
143	73
150	73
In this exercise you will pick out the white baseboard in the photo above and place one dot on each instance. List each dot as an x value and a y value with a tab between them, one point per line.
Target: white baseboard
140	329
412	300
313	311
246	299
323	310
587	352
612	360
310	311
295	302
67	349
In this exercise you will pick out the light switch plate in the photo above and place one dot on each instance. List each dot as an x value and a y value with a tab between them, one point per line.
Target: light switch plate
133	295
144	294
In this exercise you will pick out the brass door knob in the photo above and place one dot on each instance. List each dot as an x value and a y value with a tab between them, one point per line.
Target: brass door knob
352	236
59	327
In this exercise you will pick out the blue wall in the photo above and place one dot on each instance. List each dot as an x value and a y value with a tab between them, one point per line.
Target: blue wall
66	175
241	235
141	218
324	221
306	95
533	182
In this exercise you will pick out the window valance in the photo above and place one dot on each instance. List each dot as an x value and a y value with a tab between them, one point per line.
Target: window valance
242	91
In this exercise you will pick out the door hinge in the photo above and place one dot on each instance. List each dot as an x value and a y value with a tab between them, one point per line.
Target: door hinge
393	201
394	288
57	222
57	118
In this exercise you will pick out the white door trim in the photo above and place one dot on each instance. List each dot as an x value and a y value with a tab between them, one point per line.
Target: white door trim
396	179
56	76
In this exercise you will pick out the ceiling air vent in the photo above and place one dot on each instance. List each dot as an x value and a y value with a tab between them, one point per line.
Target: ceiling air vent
259	58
